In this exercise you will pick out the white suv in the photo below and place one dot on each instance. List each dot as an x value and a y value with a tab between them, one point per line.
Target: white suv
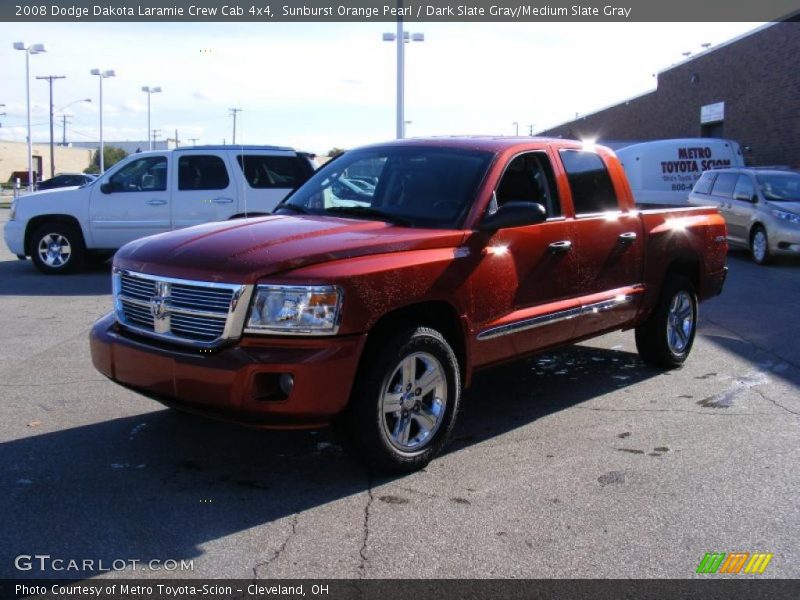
148	193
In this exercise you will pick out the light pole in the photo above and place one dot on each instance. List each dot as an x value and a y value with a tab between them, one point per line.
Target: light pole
50	79
516	128
102	75
150	91
32	49
234	112
401	37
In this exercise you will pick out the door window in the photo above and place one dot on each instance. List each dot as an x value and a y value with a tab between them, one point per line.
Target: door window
529	178
141	175
723	186
592	190
202	172
744	189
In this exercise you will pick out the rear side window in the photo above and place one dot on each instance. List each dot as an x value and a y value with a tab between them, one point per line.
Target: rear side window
724	185
274	171
202	172
592	190
703	185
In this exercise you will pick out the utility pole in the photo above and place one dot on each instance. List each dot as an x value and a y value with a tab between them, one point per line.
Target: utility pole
233	114
530	130
64	123
2	114
50	79
176	139
194	141
155	134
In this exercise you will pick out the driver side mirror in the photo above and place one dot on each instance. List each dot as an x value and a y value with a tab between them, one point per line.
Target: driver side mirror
746	198
106	187
513	214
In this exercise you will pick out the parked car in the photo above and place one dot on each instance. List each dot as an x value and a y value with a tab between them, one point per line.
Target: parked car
66	180
374	314
760	206
148	193
663	172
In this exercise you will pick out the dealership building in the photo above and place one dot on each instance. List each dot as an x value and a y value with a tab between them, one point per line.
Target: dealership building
747	90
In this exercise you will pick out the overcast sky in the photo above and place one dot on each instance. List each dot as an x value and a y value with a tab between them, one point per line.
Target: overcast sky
315	86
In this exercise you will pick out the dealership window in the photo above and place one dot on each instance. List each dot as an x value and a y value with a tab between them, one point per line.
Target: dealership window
592	190
202	172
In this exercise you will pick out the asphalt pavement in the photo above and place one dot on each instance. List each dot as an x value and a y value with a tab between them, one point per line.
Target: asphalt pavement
577	463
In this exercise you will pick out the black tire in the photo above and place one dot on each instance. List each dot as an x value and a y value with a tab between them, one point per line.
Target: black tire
663	339
364	427
66	234
758	252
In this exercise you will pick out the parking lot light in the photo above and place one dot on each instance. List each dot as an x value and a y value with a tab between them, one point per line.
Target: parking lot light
102	75
401	37
149	91
32	49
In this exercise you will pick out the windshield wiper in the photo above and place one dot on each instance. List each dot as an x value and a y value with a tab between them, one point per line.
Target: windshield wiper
292	207
368	211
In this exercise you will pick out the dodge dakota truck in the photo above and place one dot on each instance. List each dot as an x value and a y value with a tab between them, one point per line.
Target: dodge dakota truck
375	290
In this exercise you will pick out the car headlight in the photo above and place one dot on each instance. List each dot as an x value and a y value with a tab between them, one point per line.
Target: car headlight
295	310
787	216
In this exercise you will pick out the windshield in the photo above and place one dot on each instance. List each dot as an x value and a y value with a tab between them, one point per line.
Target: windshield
778	187
408	185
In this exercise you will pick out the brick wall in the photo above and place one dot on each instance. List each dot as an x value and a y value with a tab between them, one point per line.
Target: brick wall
758	78
14	157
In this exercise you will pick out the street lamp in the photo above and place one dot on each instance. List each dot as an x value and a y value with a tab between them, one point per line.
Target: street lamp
32	49
102	75
401	37
150	91
516	128
64	117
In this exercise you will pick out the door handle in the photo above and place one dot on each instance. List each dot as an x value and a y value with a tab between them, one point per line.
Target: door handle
156	202
560	247
223	200
627	238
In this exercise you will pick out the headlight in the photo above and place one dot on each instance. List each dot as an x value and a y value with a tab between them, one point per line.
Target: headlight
12	214
787	216
295	310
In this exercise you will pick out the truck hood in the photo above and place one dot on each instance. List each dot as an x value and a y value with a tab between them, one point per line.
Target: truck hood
242	251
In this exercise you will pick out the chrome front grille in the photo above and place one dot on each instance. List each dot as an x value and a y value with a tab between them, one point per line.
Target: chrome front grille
195	313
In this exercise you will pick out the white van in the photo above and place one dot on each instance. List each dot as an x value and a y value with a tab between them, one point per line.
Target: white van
663	172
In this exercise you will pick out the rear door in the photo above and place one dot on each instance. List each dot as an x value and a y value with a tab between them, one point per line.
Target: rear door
135	202
741	209
203	189
267	178
608	245
722	192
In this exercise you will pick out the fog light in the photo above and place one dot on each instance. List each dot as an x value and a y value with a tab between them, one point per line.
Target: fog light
286	382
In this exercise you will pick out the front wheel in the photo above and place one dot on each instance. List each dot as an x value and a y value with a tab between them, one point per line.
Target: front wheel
666	338
404	403
759	246
57	248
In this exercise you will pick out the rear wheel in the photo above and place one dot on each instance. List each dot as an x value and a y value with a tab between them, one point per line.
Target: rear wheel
666	338
404	404
57	248
759	246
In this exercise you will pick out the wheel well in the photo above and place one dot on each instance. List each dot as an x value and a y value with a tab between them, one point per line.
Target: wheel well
37	222
753	228
689	267
437	315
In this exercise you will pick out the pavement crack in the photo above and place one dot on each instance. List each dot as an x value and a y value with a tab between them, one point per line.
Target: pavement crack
776	403
279	551
365	539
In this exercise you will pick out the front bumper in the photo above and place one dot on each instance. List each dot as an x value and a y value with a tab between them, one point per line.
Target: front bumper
14	235
783	239
237	383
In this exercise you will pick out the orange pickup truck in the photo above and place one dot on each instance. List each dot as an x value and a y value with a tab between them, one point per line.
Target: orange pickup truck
376	290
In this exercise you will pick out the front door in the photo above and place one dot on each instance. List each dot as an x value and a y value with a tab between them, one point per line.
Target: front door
131	203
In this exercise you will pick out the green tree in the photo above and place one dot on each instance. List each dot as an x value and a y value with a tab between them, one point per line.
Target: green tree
111	155
335	151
